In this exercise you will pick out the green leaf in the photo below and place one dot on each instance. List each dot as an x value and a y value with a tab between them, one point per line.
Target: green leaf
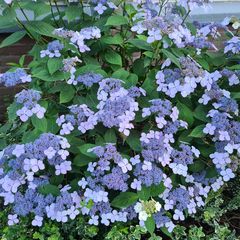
172	57
150	85
211	172
56	180
40	124
197	166
30	136
41	28
140	44
185	113
124	199
81	160
52	125
49	189
54	64
234	67
13	38
72	13
113	58
235	95
132	80
115	40
116	21
133	140
138	67
67	94
45	76
84	149
121	74
110	136
12	109
200	113
150	224
152	191
197	132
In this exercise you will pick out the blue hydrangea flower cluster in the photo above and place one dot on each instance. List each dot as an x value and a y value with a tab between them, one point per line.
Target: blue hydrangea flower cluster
22	176
233	45
79	38
53	50
81	116
101	6
28	99
116	108
10	79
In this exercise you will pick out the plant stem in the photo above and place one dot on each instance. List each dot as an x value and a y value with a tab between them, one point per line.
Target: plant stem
54	19
60	17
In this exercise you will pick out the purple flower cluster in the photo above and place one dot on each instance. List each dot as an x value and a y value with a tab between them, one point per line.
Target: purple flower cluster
116	108
88	79
79	38
22	178
81	116
28	99
233	45
53	50
101	6
186	80
10	79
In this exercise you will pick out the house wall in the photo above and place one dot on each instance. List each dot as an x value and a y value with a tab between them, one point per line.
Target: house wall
11	55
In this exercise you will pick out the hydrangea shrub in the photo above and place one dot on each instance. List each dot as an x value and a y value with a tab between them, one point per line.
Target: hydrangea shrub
129	114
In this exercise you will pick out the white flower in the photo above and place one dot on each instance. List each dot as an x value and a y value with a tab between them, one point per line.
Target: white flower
179	169
83	183
24	114
154	35
143	216
178	215
8	197
67	128
63	168
39	111
19	150
158	206
72	212
136	185
61	216
174	114
63	153
94	220
105	219
26	78
100	9
223	135
161	122
102	196
37	221
168	204
195	151
8	1
12	219
135	160
227	174
170	226
125	165
146	166
50	152
138	207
